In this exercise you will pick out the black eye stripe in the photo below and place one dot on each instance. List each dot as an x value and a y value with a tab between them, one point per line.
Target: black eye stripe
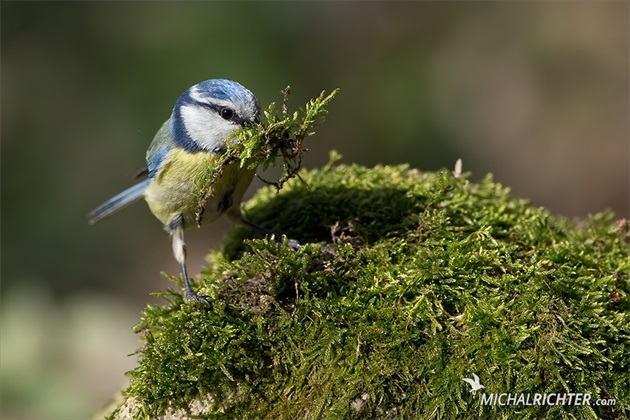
219	108
216	108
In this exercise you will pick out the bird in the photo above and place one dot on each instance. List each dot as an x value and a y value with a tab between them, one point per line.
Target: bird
474	383
177	161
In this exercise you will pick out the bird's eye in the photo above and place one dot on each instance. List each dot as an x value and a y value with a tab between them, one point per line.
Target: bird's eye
226	113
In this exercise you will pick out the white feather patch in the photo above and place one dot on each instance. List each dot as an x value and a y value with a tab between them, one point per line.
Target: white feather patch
205	127
179	246
195	95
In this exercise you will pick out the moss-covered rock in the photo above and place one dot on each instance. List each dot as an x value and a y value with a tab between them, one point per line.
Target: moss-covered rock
406	282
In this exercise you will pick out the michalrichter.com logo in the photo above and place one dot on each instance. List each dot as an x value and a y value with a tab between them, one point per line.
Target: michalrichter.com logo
533	398
474	383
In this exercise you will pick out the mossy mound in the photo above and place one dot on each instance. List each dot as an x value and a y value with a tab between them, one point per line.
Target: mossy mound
406	282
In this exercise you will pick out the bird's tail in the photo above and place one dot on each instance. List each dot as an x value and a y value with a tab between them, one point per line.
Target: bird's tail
118	202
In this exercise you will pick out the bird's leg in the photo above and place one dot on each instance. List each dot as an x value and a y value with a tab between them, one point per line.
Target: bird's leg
179	251
251	224
238	217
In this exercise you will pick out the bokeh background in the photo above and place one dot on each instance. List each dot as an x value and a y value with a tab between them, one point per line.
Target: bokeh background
534	92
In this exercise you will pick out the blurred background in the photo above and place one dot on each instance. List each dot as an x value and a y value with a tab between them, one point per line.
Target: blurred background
534	92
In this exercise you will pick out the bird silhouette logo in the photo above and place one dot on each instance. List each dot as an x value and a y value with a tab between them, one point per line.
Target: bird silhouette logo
474	383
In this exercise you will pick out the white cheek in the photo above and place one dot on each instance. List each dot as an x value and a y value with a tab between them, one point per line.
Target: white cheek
205	127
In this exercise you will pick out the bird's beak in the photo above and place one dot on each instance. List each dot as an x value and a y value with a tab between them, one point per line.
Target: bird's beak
251	123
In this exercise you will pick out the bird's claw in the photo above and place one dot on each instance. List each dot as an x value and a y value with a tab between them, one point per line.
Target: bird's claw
293	244
192	296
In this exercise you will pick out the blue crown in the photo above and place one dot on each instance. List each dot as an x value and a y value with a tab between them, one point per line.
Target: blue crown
221	89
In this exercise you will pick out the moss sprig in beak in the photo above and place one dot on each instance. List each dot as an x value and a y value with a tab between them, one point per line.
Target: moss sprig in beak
260	145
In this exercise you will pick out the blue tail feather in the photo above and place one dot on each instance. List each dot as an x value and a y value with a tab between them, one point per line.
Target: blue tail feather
118	202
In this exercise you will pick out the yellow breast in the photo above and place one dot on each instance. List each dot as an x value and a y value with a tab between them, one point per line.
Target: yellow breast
179	187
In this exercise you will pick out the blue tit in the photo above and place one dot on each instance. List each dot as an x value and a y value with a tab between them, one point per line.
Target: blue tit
178	159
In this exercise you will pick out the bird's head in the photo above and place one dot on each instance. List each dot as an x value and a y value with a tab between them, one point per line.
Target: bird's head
208	112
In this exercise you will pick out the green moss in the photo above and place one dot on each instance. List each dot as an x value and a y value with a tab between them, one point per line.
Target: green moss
279	138
406	283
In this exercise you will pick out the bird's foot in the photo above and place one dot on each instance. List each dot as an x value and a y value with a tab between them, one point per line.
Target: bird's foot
191	296
293	244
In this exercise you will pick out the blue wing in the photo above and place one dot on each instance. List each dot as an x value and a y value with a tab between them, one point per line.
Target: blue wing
118	202
160	146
